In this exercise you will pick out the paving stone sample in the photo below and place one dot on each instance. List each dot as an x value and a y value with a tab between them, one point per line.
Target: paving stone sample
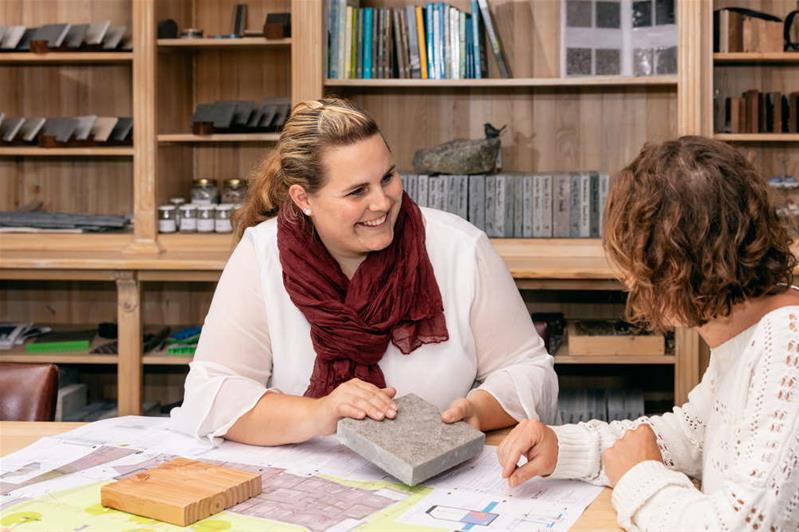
458	157
414	446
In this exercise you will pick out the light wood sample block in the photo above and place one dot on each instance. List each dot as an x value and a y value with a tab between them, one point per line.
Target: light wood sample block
181	491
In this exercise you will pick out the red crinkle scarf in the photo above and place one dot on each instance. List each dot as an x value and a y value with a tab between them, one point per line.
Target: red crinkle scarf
392	296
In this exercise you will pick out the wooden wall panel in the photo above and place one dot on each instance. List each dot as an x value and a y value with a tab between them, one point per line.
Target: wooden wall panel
58	302
172	303
229	162
68	184
216	16
548	129
37	12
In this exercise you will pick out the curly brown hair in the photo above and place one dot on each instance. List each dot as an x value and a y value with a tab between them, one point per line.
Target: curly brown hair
690	226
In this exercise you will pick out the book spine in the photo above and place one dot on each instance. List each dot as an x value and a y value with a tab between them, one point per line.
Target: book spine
431	49
574	207
518	205
604	188
462	44
476	39
367	42
594	204
423	190
413	41
561	218
421	34
491	205
538	211
440	42
493	38
527	208
341	28
353	46
585	205
348	44
332	36
463	196
452	194
477	201
359	64
546	203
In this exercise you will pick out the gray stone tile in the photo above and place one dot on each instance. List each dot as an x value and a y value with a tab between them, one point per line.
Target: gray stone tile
414	446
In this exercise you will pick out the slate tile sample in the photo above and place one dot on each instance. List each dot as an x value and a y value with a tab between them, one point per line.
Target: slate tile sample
414	446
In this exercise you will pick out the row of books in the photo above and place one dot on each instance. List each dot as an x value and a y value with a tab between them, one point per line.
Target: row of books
73	37
434	41
762	112
582	405
560	205
745	30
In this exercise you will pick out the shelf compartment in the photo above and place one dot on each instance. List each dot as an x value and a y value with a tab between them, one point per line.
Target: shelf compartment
594	81
757	137
189	138
196	242
19	354
34	151
562	356
66	57
205	44
755	57
159	359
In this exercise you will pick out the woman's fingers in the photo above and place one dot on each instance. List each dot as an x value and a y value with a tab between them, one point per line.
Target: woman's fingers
382	399
522	474
458	410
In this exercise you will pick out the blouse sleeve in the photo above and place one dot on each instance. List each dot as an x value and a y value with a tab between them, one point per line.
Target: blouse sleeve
233	361
512	362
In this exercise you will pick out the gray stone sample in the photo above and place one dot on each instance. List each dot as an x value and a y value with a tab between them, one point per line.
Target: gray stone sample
458	157
414	446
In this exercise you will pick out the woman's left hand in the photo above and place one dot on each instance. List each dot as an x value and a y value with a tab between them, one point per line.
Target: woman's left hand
634	447
461	410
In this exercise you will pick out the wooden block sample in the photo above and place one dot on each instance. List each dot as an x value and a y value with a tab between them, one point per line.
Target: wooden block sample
612	338
181	491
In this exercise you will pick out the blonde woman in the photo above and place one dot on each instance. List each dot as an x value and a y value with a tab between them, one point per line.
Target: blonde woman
690	226
343	294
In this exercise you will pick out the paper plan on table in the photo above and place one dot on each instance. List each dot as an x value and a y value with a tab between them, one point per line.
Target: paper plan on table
317	486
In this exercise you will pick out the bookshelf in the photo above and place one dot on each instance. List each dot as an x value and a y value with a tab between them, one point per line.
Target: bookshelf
149	279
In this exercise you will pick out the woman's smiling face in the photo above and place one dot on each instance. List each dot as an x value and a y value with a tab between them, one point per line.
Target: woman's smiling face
356	209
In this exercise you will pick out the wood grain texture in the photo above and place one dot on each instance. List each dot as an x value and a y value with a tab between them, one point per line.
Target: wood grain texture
181	491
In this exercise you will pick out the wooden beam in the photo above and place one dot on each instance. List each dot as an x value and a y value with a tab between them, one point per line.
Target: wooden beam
129	369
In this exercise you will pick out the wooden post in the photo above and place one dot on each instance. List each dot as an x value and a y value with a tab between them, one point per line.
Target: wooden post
686	364
144	128
695	68
307	51
129	368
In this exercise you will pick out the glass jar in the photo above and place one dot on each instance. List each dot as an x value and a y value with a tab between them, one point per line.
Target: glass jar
204	191
223	223
205	218
177	202
167	219
188	218
234	191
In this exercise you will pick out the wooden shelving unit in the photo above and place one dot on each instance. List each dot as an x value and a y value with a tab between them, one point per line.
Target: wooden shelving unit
65	57
757	137
226	137
553	124
593	81
754	57
34	151
206	44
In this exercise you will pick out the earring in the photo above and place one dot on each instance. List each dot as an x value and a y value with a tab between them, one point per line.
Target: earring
307	212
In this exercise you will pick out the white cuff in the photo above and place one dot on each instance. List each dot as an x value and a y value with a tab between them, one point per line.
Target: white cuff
639	485
578	453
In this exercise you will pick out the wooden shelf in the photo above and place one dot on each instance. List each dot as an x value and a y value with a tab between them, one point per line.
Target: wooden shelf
35	151
757	137
593	81
66	57
562	356
223	242
755	58
159	359
205	44
230	137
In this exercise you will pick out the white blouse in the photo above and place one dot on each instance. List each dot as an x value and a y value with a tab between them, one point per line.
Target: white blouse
255	339
738	433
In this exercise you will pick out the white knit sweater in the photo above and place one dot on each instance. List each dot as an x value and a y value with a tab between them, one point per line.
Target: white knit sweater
738	433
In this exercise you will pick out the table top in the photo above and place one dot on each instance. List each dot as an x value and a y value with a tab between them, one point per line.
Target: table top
15	435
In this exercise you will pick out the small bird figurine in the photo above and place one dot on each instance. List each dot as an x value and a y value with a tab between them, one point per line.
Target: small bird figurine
491	132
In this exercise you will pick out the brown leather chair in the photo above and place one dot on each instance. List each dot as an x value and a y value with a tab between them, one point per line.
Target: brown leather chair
28	392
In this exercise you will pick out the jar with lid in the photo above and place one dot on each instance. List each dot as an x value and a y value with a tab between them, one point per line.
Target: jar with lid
188	218
223	223
167	219
204	191
234	191
205	218
177	202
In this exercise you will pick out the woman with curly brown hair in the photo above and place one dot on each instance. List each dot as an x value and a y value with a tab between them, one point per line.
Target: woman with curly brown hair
690	227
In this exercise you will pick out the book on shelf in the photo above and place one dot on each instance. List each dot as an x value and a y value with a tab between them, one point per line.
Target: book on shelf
62	341
738	29
518	205
430	41
761	112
